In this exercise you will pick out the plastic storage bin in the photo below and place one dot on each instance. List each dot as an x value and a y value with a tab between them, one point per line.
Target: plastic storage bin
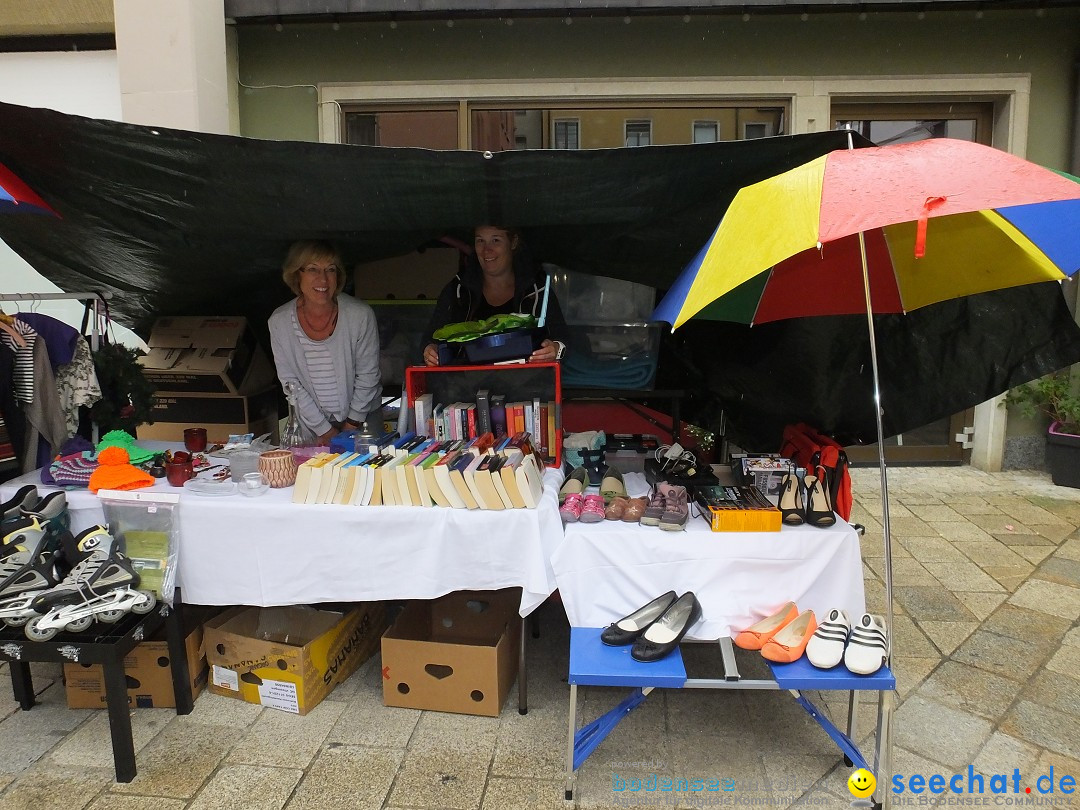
621	355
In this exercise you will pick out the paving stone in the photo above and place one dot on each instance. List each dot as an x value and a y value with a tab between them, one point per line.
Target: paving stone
932	549
914	527
981	605
1055	691
1032	514
1070	549
236	786
331	781
947	636
1024	540
285	740
940	732
906	571
371	723
963	576
991	552
1034	554
1061	764
974	506
113	801
217	710
1048	597
961	532
1061	570
1043	726
911	672
1067	510
795	775
523	794
91	744
1002	754
179	759
442	779
1002	655
26	736
971	689
1055	533
55	788
937	513
1027	625
460	731
1000	524
922	602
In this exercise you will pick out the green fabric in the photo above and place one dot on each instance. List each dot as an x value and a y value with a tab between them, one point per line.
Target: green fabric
123	439
470	330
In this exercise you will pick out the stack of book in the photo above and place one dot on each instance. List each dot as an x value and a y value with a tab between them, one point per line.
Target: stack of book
737	509
489	413
417	470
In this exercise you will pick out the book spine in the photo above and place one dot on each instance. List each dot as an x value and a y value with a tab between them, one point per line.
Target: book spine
470	421
483	412
498	416
535	425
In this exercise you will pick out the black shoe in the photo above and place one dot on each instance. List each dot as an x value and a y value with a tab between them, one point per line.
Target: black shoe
627	629
12	509
819	508
790	503
664	635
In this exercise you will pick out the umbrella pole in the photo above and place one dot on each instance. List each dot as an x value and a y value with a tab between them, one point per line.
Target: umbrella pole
887	529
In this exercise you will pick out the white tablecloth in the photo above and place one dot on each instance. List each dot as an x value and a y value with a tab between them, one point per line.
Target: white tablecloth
236	550
606	570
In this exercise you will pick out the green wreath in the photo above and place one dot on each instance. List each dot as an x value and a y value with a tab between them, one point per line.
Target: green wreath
126	395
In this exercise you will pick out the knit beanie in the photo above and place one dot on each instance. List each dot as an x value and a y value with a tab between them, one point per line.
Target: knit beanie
123	439
115	472
70	471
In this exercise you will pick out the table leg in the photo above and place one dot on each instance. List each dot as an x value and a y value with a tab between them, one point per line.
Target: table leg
22	684
523	680
570	743
116	699
852	720
882	755
181	677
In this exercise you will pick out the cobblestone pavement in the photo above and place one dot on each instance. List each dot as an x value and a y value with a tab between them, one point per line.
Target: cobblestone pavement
987	598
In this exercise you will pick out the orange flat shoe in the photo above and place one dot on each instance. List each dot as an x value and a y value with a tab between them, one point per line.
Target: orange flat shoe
790	642
754	638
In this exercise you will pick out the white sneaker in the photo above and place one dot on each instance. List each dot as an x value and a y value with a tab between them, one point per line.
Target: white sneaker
868	647
826	647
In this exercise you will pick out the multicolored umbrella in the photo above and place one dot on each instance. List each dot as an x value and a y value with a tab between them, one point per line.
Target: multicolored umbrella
16	196
939	219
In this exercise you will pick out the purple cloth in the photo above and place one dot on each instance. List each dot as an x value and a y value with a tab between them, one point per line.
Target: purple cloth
59	337
76	444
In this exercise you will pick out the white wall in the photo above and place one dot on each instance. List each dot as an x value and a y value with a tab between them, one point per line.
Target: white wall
81	83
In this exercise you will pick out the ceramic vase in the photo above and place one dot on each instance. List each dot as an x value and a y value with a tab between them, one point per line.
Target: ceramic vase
278	468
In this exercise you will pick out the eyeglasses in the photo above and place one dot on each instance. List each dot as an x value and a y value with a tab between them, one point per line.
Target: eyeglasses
313	270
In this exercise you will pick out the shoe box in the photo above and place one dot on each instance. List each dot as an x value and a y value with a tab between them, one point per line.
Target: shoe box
221	414
458	653
147	669
289	658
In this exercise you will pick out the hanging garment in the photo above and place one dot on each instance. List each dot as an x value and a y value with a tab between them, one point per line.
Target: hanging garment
44	418
58	336
23	376
77	385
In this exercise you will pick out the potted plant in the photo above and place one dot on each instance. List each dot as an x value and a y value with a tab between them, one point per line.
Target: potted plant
1055	396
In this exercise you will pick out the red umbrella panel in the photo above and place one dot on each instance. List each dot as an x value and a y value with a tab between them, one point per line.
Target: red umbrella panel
17	197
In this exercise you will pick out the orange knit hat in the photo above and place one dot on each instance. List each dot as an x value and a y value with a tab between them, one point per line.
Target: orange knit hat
116	472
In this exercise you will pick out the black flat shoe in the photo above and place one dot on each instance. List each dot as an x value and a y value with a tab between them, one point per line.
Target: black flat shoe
664	635
627	629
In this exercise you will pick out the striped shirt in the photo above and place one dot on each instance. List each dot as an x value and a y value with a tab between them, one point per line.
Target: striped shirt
320	366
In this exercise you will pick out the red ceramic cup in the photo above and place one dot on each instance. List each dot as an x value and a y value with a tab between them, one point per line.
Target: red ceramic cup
195	439
177	472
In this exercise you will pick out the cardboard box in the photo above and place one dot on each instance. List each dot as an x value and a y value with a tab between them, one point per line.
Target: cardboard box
289	658
458	653
207	355
220	415
148	671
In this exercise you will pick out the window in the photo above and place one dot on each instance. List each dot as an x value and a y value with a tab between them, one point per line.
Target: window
756	129
427	128
566	134
706	132
638	133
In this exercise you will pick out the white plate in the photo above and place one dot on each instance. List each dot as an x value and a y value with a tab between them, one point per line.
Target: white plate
203	486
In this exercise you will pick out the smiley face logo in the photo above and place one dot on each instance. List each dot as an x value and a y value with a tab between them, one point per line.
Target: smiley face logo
861	783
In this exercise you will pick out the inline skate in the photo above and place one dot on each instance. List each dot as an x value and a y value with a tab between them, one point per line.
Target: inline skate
101	585
26	569
11	509
52	513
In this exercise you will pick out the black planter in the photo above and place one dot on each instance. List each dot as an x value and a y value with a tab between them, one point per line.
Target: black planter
1063	457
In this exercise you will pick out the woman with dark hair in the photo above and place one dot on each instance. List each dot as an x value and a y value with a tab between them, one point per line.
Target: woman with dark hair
326	343
496	280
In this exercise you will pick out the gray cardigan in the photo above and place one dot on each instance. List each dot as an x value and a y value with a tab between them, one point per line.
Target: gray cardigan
354	350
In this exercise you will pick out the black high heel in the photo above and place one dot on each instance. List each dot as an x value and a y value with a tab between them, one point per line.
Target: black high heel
792	511
819	509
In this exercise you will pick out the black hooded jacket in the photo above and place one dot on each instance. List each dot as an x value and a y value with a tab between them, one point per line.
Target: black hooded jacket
461	298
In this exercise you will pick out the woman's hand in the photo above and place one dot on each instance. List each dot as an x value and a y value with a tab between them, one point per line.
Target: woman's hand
545	354
431	355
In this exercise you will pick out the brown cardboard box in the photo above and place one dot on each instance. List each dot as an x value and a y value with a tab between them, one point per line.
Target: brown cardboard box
458	653
207	355
289	658
221	415
149	675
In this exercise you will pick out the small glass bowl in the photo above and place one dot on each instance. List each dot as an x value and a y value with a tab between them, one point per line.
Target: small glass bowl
253	484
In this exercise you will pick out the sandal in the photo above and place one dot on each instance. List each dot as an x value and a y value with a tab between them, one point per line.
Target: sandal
572	507
634	509
575	483
611	485
616	508
593	510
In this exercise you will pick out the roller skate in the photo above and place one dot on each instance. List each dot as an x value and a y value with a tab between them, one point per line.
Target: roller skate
52	513
12	509
26	569
101	585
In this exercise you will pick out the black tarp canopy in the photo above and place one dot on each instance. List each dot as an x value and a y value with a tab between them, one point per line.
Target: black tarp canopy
176	222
